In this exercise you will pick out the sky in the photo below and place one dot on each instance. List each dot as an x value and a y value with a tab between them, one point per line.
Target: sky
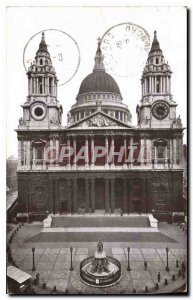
76	30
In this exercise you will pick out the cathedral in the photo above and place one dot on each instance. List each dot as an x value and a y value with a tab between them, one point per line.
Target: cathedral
99	161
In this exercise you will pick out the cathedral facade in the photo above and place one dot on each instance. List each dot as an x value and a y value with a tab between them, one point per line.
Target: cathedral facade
99	161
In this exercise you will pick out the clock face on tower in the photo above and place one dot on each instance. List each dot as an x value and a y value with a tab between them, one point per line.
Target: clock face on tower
38	111
160	110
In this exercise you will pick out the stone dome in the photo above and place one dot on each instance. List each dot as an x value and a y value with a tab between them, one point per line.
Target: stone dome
99	81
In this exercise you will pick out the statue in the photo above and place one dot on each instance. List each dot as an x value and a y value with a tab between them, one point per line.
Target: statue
100	246
179	121
99	104
69	118
21	121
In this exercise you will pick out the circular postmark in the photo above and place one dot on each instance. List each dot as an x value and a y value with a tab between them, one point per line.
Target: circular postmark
63	49
125	47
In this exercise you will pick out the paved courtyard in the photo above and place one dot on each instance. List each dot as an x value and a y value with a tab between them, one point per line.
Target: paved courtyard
52	260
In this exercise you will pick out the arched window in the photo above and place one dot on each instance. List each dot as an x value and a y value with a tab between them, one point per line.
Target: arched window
41	61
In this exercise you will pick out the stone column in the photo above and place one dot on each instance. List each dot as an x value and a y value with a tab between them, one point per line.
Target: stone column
36	86
54	196
150	84
28	154
180	150
171	153
106	195
167	85
174	151
161	78
112	195
177	149
149	151
142	152
92	195
34	156
145	85
51	152
74	192
19	153
57	152
131	151
74	147
155	155
57	196
169	78
92	151
86	150
164	89
68	158
125	153
112	152
129	205
124	206
87	195
106	154
69	197
143	195
29	86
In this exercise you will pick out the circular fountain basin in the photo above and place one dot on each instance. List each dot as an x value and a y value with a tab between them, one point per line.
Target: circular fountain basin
104	278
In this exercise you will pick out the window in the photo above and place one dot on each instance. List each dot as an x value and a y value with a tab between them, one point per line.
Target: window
157	61
41	62
160	151
147	85
39	152
40	84
50	85
157	84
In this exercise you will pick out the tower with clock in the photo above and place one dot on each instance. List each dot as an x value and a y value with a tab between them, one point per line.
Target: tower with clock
42	109
157	108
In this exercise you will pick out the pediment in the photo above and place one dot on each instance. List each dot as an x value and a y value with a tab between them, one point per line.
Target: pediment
98	120
161	141
38	142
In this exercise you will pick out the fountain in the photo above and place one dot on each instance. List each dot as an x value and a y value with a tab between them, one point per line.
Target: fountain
100	270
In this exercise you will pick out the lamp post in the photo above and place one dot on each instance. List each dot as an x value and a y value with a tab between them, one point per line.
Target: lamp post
167	251
33	253
128	267
71	267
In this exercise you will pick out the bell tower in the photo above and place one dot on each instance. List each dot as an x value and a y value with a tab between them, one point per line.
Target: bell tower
42	109
157	108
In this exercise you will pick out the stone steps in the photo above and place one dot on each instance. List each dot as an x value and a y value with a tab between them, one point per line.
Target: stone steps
100	221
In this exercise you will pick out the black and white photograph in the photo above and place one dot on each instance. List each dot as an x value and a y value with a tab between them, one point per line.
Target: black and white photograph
96	150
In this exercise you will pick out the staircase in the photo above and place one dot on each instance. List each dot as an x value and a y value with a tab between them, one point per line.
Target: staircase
139	221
